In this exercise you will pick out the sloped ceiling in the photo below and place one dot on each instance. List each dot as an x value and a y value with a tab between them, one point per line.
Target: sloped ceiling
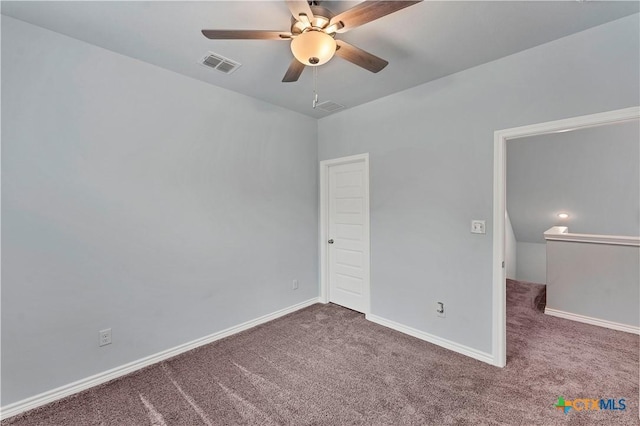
422	43
591	174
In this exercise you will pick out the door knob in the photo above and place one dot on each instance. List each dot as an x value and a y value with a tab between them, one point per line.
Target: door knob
330	241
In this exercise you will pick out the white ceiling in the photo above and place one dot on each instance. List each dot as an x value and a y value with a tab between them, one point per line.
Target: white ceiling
422	43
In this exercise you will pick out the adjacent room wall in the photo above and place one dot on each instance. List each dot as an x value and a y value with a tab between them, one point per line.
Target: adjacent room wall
592	174
532	262
431	156
599	281
142	200
510	249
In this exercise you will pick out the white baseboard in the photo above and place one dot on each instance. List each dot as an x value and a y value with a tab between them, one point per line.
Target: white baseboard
89	382
447	344
593	321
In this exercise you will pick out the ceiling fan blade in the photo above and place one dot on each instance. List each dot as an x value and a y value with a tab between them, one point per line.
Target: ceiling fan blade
294	71
360	57
368	11
246	35
300	7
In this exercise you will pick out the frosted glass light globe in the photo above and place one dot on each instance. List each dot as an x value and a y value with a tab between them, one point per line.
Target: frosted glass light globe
313	48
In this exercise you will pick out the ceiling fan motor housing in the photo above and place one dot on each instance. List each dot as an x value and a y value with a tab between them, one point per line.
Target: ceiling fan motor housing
321	18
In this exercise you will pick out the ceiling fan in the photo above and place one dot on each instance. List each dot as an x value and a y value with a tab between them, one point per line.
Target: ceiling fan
313	31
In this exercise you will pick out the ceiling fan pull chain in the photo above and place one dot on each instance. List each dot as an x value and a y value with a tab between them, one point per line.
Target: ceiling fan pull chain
315	87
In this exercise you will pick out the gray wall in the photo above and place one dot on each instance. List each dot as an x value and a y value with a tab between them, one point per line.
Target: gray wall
431	154
592	174
600	281
142	200
532	262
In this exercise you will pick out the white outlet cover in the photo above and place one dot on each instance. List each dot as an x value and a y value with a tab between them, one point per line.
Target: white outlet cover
478	227
105	337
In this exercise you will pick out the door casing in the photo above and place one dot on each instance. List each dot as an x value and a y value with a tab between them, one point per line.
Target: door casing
501	137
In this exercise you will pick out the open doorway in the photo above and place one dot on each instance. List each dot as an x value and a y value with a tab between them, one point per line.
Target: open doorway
500	151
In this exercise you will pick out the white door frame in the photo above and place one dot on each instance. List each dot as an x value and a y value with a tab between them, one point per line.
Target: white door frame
324	226
499	332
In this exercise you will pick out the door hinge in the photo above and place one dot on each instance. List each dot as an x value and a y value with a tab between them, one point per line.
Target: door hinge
503	263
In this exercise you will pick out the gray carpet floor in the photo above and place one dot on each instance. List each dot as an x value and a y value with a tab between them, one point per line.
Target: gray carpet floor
326	365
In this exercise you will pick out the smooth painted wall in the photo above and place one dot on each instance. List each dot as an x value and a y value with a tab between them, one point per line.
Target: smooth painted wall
592	174
510	249
142	200
600	281
431	157
532	262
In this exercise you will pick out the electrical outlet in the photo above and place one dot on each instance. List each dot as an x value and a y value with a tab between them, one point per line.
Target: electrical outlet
294	286
105	337
478	227
440	309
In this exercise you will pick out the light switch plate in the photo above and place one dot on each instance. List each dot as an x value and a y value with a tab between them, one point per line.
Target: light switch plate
478	227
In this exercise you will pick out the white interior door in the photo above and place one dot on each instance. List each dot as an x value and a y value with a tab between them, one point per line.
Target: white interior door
348	235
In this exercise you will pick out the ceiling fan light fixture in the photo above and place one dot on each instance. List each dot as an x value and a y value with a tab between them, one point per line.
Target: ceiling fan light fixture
313	47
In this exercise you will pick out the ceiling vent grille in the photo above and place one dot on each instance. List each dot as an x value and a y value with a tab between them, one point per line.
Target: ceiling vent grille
329	106
220	63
